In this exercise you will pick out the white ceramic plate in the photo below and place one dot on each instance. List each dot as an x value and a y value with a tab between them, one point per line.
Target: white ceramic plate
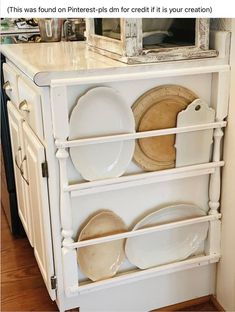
100	112
103	260
163	247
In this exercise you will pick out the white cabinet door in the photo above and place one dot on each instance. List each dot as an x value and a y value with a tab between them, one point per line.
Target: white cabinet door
15	124
38	199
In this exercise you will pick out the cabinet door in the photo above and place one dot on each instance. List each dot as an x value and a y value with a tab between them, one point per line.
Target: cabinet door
38	199
15	124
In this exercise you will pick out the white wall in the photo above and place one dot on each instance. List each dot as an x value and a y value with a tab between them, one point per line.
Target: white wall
226	267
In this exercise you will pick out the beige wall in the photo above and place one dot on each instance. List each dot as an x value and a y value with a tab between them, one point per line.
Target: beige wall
226	267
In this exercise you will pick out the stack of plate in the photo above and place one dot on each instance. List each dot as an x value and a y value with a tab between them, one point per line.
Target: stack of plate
158	109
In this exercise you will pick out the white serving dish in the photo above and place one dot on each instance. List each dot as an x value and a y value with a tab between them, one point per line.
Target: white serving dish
103	260
101	112
146	251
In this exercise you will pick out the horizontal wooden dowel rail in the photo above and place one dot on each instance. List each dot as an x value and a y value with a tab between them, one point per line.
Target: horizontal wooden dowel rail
144	178
148	181
152	229
138	135
131	276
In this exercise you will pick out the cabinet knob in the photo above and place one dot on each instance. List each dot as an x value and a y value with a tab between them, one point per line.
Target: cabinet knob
24	106
7	86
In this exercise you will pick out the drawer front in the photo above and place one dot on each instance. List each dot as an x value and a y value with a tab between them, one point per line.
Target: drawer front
30	106
10	82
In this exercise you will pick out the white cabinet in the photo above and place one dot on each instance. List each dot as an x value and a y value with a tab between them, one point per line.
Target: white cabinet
32	192
15	123
38	200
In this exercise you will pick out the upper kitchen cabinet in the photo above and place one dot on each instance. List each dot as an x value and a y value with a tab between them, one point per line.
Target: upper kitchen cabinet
146	40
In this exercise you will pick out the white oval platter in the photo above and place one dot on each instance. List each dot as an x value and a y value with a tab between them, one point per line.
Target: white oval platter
103	260
146	251
101	112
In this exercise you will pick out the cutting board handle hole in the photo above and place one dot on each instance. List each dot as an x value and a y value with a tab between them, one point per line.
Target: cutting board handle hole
198	107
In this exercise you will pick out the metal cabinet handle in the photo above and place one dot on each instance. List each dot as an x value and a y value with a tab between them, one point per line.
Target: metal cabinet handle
16	160
7	86
24	106
20	167
22	171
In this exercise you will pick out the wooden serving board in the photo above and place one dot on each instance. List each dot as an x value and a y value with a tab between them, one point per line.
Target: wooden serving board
194	147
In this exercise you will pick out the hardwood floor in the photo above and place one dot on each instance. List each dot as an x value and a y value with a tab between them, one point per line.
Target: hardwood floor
23	289
206	303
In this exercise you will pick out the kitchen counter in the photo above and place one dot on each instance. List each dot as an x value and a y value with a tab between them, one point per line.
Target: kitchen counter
42	62
45	62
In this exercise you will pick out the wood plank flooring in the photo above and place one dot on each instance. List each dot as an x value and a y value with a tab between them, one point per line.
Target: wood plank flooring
23	289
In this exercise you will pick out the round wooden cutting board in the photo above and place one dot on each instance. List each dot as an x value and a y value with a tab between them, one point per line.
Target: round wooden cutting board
158	109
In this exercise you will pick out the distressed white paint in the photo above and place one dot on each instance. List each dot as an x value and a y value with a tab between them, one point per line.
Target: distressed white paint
129	49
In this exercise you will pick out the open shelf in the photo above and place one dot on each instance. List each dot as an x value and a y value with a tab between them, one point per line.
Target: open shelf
209	256
75	210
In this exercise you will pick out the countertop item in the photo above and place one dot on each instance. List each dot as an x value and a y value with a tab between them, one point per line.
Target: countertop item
50	29
157	109
167	246
100	112
103	260
14	30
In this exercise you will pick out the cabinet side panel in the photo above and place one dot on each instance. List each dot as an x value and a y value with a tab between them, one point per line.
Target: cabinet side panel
150	294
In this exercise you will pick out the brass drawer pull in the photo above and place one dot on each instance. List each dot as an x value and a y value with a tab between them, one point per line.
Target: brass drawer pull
24	106
7	86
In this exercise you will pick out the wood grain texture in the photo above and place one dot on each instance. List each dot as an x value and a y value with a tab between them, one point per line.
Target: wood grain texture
22	286
4	195
157	109
130	48
206	303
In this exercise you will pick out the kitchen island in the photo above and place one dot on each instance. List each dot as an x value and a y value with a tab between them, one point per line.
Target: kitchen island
44	82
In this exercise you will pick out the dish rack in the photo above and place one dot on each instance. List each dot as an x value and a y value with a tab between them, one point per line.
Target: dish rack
59	89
